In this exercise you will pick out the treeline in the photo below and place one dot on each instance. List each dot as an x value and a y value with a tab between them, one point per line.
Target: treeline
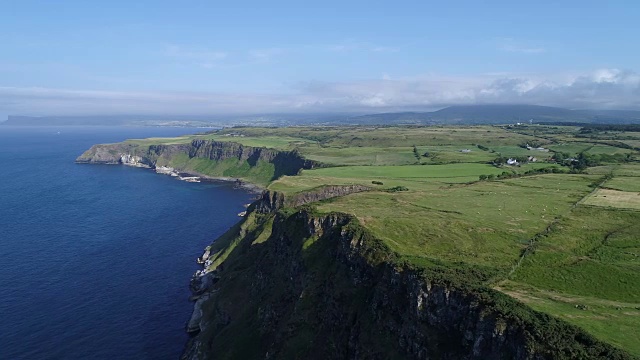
585	160
589	128
509	175
532	143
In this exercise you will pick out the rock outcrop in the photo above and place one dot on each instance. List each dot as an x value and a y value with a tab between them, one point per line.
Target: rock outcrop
322	287
224	160
271	201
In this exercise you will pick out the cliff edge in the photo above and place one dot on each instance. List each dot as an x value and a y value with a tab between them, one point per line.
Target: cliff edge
294	284
207	158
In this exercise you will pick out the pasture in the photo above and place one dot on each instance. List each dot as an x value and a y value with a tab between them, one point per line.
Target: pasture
615	199
565	243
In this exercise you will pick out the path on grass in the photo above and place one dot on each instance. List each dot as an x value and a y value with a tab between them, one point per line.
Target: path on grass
534	240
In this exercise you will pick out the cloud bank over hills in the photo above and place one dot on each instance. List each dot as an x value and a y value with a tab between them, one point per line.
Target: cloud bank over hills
601	89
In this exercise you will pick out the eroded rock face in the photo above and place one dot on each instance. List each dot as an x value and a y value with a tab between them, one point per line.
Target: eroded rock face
284	162
106	154
269	201
272	200
321	287
132	160
325	192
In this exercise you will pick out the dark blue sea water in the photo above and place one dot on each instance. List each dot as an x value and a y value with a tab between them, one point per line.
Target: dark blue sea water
95	259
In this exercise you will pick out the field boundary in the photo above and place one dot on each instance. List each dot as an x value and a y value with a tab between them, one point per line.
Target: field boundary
534	240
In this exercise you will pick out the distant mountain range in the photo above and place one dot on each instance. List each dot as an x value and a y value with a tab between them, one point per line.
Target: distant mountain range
460	114
501	114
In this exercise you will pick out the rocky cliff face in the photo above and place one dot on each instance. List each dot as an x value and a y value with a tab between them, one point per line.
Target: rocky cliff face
271	201
321	287
223	159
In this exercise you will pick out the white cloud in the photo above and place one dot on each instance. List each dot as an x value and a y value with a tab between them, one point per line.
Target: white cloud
603	88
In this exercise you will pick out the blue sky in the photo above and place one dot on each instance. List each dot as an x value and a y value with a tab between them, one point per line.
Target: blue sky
206	57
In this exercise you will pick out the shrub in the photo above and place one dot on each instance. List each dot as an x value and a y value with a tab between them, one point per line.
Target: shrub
398	188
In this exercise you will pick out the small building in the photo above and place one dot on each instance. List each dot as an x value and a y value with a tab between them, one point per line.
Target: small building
512	162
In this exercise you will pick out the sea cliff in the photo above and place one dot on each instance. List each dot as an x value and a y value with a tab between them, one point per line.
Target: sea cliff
206	158
295	284
287	282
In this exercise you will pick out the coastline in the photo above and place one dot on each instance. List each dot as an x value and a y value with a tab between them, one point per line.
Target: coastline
200	280
238	183
255	229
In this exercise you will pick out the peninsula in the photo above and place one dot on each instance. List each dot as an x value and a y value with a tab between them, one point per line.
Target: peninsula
415	242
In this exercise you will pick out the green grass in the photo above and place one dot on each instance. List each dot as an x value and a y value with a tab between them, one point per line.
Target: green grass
359	155
411	176
624	183
571	148
611	321
486	224
513	151
453	154
164	141
261	173
273	142
591	252
393	136
614	199
609	150
577	253
407	172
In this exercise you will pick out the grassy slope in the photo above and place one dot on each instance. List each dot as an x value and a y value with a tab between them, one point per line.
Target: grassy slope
448	219
261	173
486	225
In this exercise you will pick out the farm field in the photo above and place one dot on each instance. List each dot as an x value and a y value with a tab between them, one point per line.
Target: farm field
624	183
485	225
614	199
448	219
274	142
561	237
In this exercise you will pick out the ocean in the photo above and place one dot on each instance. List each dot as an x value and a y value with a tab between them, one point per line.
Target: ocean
95	260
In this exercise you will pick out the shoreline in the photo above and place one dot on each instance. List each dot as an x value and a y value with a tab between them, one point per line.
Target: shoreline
188	177
238	183
200	280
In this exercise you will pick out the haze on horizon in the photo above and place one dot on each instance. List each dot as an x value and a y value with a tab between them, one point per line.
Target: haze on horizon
203	57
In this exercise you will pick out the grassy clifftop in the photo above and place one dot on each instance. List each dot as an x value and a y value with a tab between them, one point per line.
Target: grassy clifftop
556	232
257	165
300	284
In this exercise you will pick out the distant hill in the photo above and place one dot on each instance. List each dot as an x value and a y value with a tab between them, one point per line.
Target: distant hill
460	114
500	114
104	121
178	120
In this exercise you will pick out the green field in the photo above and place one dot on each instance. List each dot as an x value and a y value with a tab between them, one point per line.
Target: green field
274	142
609	150
565	243
614	199
448	218
624	183
486	224
571	148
